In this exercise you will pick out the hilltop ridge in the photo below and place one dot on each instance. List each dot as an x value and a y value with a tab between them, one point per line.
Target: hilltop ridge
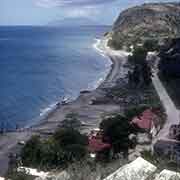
157	21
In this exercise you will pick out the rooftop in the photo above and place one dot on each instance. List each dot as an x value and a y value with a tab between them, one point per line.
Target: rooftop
145	120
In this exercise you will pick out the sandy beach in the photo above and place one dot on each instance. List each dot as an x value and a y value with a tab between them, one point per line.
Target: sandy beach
89	113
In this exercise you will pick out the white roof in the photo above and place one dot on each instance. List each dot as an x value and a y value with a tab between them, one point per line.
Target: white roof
32	172
139	169
168	175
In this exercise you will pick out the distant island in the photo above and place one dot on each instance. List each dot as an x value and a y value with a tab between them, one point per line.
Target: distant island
74	22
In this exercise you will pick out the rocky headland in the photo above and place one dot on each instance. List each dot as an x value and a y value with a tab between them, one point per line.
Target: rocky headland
157	21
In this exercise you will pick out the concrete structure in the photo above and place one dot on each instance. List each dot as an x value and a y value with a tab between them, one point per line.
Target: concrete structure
32	172
41	175
139	169
168	175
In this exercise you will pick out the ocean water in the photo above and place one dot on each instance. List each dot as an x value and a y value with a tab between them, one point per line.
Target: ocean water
41	65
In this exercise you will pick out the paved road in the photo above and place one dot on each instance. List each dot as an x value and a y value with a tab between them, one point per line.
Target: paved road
173	114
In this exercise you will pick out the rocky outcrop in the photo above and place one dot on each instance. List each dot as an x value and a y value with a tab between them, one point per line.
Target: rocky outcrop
157	21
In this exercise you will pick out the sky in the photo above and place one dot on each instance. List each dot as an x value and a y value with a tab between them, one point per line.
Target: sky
43	12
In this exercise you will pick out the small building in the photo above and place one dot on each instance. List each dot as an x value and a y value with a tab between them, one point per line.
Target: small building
98	143
174	132
147	121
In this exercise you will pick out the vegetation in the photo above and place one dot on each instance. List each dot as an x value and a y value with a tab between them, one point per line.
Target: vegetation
71	121
117	128
135	111
161	162
151	45
149	21
116	41
65	146
141	75
139	55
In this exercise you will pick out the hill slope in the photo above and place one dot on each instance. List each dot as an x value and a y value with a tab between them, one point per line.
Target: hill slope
157	21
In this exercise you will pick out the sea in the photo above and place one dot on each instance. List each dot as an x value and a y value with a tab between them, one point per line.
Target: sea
40	66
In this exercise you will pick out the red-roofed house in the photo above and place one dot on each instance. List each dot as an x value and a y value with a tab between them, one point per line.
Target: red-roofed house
147	121
97	143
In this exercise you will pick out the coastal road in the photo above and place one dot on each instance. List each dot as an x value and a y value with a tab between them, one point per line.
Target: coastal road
118	58
173	114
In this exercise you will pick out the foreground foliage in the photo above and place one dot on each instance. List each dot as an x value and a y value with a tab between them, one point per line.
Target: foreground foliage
65	146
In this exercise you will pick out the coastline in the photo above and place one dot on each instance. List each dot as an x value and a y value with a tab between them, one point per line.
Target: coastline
90	115
100	47
118	59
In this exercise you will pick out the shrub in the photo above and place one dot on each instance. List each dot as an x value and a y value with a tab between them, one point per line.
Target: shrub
139	56
66	145
135	111
71	121
142	71
65	137
151	45
31	152
117	128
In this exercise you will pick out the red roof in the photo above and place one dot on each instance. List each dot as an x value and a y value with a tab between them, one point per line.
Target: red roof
97	145
145	121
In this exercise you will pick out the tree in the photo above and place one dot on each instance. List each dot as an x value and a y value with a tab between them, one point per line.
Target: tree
71	121
135	111
66	145
146	74
31	152
72	142
117	129
142	71
139	56
151	45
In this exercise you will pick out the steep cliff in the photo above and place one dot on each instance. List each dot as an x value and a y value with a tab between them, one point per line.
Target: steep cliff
157	21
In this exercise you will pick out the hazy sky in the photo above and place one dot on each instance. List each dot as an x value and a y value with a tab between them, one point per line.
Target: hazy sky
41	12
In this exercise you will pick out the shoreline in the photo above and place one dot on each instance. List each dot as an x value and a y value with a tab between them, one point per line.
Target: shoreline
90	115
101	47
109	81
44	113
